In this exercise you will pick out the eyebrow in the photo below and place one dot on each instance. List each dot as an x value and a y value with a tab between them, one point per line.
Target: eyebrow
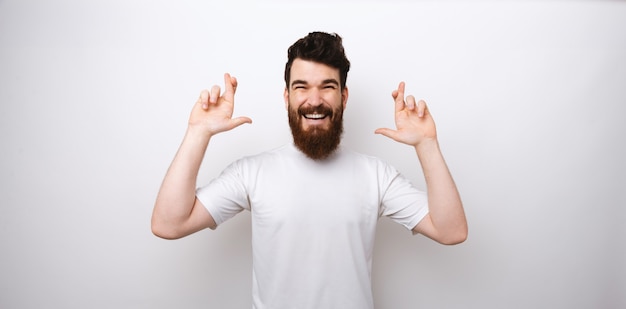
324	82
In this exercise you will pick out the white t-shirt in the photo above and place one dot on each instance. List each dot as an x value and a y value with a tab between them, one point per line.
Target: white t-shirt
313	222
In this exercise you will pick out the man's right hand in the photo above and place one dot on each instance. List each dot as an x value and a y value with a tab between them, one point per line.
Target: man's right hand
177	212
213	111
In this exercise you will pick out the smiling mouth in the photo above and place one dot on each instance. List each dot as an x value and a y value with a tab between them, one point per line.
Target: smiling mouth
315	116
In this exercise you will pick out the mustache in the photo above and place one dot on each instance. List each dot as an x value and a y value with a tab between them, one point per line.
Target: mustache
321	109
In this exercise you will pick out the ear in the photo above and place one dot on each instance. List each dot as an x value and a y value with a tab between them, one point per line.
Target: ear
344	97
286	96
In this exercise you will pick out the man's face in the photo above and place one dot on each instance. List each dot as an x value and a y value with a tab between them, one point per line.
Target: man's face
315	104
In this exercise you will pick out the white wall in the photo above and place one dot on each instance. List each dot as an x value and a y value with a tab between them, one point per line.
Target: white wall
528	98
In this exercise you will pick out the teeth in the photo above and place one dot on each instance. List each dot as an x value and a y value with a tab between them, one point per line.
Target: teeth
314	116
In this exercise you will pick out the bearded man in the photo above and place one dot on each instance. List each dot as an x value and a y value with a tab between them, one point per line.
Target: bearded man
314	204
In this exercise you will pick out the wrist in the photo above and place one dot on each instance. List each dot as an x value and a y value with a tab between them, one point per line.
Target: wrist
197	134
427	146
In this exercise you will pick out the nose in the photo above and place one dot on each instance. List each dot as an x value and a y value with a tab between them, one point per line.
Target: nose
315	97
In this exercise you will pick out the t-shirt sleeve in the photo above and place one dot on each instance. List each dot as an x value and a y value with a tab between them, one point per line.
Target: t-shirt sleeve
401	201
226	195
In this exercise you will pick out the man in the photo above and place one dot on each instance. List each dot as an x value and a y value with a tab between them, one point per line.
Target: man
314	204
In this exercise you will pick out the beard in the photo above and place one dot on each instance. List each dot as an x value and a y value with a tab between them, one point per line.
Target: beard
316	142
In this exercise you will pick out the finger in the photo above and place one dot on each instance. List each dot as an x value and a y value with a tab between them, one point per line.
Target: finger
398	96
421	108
239	121
386	132
410	103
230	82
400	90
203	100
215	94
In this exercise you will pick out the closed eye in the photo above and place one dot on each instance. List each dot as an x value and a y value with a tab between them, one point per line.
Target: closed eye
330	83
298	84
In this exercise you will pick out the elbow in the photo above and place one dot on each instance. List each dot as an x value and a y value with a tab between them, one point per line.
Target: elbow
162	230
168	229
161	233
455	238
165	234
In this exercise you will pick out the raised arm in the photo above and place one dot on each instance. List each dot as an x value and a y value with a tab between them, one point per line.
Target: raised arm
445	222
177	212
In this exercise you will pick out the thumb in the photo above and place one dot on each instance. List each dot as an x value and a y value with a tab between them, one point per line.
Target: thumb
386	132
235	122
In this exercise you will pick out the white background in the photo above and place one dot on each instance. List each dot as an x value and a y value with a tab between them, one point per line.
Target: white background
528	98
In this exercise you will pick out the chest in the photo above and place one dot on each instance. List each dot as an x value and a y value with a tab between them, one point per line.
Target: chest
325	196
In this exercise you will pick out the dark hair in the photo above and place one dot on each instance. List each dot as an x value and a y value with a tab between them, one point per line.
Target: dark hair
319	47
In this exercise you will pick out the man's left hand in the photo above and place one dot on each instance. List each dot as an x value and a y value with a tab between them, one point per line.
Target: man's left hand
414	123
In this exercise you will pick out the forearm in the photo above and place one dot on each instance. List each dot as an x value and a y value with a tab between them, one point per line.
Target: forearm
445	206
176	196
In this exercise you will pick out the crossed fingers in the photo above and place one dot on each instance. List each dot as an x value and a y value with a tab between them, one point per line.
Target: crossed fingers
214	95
409	103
